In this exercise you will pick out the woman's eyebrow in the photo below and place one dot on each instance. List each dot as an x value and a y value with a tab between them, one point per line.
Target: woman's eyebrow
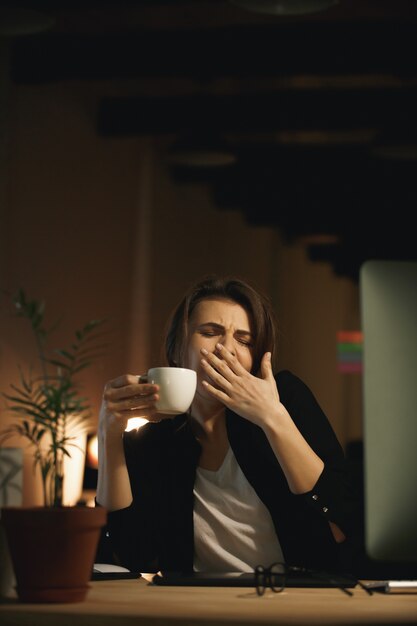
211	325
220	327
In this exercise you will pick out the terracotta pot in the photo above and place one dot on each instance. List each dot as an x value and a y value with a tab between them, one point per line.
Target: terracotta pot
53	550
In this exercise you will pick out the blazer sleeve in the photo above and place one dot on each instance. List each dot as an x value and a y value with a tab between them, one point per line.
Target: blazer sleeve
132	532
334	495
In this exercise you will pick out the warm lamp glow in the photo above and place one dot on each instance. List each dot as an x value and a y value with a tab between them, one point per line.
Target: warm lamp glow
135	423
92	452
92	446
74	470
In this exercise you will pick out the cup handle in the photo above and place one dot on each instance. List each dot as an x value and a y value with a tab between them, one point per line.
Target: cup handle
142	378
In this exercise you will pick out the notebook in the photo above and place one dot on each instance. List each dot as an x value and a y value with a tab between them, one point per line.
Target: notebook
109	571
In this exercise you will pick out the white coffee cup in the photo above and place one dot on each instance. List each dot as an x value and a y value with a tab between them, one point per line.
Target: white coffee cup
177	387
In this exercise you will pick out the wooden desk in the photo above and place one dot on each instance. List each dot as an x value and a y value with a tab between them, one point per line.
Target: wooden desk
136	602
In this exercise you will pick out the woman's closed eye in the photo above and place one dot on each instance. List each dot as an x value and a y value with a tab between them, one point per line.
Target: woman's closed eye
245	342
209	333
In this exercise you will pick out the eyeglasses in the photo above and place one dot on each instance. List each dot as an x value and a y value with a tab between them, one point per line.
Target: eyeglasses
274	577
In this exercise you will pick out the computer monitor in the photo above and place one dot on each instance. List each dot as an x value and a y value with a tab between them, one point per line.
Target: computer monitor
388	301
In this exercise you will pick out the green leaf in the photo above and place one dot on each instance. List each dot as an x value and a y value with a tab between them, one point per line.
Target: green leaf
65	354
62	364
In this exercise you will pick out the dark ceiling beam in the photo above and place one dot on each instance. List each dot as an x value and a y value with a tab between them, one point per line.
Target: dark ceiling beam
284	110
366	205
267	50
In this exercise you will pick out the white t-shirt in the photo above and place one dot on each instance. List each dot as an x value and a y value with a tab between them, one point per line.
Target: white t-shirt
233	529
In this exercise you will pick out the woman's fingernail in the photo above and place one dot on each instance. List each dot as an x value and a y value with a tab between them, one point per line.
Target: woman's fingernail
204	351
219	346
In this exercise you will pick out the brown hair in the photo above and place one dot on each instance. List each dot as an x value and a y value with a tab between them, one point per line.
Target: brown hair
255	304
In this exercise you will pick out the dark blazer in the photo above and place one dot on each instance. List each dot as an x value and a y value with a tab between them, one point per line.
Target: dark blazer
156	531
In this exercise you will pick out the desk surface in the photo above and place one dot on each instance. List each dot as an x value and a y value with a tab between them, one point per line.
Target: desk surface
136	602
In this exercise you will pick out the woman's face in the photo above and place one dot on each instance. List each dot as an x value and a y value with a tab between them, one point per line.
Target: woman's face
217	320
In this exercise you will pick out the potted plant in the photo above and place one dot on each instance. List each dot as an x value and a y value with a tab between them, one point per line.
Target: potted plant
53	546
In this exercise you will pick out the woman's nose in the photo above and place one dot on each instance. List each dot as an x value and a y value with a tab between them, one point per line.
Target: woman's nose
228	343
